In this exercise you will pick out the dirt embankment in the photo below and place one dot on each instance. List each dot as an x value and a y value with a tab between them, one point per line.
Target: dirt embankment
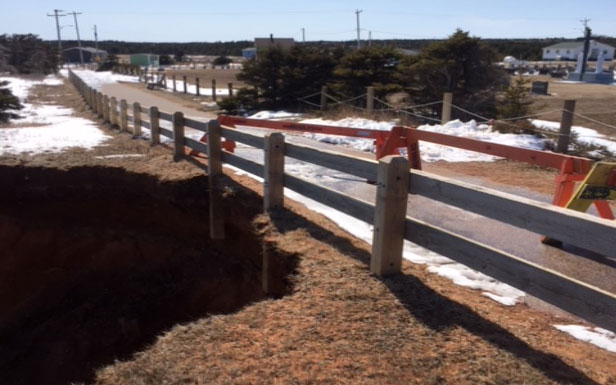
98	261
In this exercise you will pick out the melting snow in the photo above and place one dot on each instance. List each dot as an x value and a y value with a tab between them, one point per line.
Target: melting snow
602	338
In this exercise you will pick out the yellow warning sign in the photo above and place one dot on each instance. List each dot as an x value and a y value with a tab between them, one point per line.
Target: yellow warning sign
599	185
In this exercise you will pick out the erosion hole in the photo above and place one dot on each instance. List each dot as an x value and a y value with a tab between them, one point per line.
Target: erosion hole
96	262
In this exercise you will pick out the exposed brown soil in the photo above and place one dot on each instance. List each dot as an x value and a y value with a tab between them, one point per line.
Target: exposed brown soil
340	324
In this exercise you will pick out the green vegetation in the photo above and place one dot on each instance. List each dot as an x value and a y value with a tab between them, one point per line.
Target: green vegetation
27	54
8	102
221	61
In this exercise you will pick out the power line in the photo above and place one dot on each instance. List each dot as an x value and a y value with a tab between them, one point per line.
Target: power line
78	37
56	14
357	12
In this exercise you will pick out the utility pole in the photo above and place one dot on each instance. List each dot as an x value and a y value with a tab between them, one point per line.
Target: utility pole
56	14
587	34
304	35
369	38
357	12
96	41
78	37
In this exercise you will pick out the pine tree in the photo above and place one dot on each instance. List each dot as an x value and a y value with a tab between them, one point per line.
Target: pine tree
8	103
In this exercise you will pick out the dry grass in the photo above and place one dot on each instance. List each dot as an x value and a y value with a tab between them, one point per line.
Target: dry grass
342	325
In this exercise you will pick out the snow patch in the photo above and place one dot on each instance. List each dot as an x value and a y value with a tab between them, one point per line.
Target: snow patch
97	79
274	115
584	135
602	338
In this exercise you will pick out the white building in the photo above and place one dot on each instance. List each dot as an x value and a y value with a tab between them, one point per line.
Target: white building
570	50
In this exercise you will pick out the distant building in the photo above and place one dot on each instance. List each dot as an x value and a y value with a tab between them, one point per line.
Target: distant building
407	52
145	59
571	49
249	53
90	55
263	43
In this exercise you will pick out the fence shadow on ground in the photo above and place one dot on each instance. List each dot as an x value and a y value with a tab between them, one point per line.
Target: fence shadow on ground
436	311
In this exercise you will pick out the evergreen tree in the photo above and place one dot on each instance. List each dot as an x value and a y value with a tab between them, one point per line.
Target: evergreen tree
27	54
516	101
369	66
462	65
8	102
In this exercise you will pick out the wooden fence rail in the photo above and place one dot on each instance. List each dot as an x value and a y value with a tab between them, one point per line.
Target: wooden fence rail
388	214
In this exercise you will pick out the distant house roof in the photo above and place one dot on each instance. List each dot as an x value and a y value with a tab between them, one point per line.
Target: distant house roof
572	44
87	49
269	42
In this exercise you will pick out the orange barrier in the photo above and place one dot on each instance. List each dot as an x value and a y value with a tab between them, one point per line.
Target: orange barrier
571	168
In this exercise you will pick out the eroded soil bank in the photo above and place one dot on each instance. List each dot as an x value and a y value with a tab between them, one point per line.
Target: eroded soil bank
97	261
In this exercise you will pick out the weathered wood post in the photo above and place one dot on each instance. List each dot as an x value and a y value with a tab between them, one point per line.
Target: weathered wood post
323	98
566	120
123	115
273	184
106	109
99	98
446	110
197	84
230	86
174	85
370	99
184	79
214	170
114	111
136	119
389	215
92	99
178	136
214	89
154	126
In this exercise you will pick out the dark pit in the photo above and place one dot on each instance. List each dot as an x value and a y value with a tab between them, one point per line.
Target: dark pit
96	262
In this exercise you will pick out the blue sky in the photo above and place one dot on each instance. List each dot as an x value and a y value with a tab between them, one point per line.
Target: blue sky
182	21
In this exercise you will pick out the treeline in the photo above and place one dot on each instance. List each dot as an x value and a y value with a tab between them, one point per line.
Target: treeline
27	54
523	49
463	65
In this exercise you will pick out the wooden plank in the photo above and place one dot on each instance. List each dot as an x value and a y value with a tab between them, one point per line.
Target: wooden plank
578	298
249	166
154	125
178	135
243	137
123	115
214	171
165	116
197	125
145	110
362	168
114	111
195	145
354	207
389	215
145	123
542	218
273	184
166	132
106	109
136	119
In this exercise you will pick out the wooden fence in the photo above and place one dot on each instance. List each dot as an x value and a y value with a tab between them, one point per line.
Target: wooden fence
388	215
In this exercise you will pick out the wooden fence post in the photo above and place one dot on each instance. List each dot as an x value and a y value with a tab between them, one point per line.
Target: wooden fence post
214	170
106	109
136	119
370	99
446	111
230	85
197	85
154	125
174	85
273	184
389	215
323	98
99	99
184	79
114	111
214	89
123	115
93	103
566	120
178	136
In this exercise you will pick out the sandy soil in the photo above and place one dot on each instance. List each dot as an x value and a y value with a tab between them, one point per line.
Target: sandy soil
340	324
595	101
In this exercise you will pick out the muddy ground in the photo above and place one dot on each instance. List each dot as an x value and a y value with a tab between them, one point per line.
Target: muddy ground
337	324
